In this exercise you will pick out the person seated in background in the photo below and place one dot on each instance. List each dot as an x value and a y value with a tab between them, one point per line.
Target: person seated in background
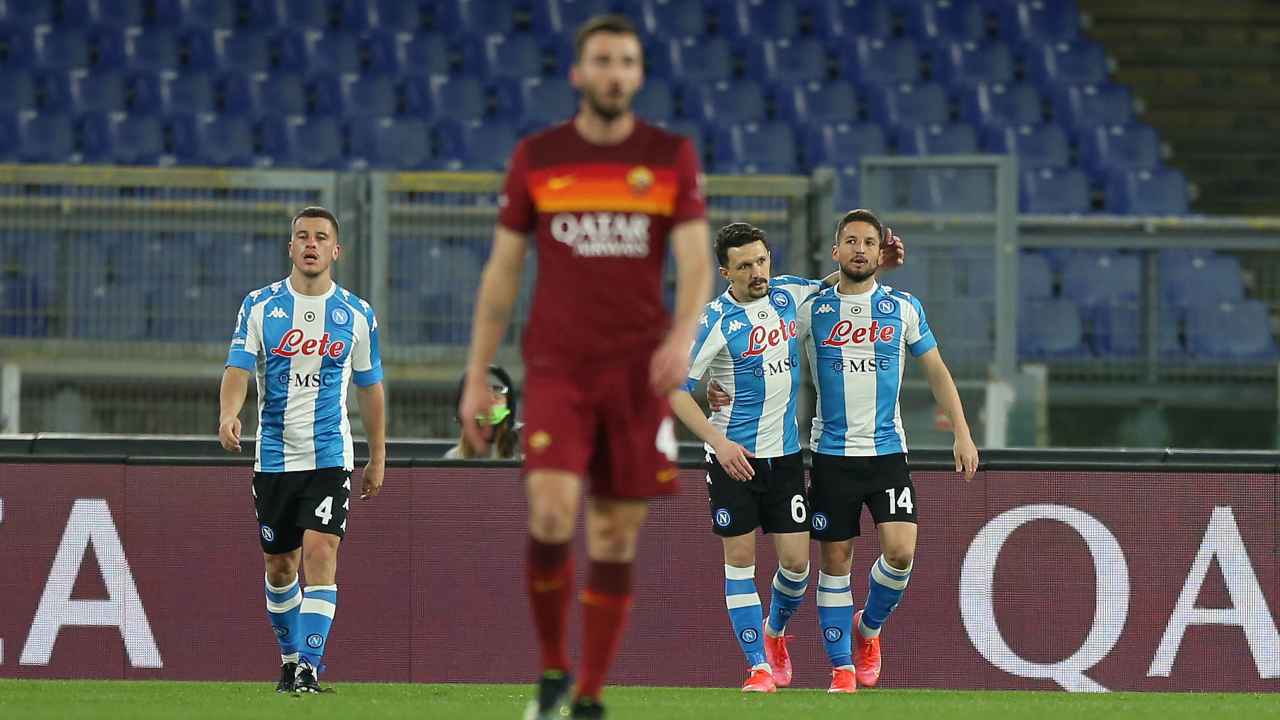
500	426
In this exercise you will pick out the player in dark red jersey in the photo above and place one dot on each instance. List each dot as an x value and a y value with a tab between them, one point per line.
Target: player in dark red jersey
603	194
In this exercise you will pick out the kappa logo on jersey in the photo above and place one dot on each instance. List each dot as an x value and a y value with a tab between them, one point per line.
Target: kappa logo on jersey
735	326
277	313
763	338
603	234
717	306
703	321
824	310
293	343
843	333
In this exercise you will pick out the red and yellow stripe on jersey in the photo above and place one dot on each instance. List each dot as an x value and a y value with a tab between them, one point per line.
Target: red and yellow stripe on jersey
612	187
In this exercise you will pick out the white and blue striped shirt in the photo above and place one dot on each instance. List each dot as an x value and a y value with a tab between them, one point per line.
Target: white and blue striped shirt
856	346
751	349
304	349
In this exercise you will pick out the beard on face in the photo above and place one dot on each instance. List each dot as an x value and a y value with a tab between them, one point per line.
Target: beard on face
858	275
602	106
758	291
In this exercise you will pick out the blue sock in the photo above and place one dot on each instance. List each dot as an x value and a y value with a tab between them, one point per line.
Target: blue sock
743	601
282	610
887	585
318	605
835	615
788	593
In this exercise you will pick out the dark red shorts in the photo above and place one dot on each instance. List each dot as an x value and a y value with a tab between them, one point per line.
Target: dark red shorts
605	426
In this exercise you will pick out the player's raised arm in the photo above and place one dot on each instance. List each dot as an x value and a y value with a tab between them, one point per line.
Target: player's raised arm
689	243
499	285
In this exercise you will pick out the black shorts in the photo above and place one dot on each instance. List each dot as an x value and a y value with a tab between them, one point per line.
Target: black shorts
287	503
840	486
774	500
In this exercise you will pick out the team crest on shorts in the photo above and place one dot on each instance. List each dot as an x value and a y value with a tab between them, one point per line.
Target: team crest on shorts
640	179
340	316
723	518
268	534
540	440
886	306
819	522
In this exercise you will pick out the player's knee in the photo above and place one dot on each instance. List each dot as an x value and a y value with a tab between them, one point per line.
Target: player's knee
551	521
899	558
796	565
739	556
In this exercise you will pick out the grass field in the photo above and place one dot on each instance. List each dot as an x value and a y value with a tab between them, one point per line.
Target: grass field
38	699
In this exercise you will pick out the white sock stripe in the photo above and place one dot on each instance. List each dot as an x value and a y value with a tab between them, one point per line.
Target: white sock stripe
832	582
285	606
895	571
284	589
733	602
793	592
794	577
883	578
312	588
835	599
733	572
320	607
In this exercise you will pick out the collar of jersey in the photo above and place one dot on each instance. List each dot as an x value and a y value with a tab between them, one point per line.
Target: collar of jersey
729	296
875	286
288	283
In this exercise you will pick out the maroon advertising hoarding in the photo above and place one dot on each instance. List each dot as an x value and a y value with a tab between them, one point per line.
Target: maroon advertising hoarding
1032	580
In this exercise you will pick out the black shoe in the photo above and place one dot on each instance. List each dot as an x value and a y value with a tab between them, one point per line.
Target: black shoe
553	694
587	708
287	671
305	680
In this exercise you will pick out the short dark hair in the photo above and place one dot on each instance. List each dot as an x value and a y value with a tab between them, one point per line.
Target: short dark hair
736	235
611	23
859	215
315	211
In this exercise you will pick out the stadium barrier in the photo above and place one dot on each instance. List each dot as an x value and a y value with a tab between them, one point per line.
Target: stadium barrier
1086	571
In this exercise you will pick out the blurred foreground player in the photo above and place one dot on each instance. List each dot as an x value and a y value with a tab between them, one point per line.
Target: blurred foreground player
305	337
603	193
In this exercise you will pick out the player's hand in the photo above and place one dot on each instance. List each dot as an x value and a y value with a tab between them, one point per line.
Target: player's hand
669	365
371	484
717	396
473	411
893	251
735	459
229	434
966	457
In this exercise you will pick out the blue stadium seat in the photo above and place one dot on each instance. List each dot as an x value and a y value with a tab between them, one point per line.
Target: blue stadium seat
53	91
246	51
138	140
673	18
236	93
198	49
835	101
964	326
702	59
1231	332
1050	191
391	143
310	14
1002	105
283	93
847	18
334	52
1117	330
94	140
1078	63
29	13
318	143
47	139
325	94
971	64
513	56
1037	146
23	306
32	253
456	17
789	60
756	19
756	148
476	145
957	190
546	101
426	55
388	15
62	49
1107	148
15	46
143	92
846	193
240	263
109	312
153	49
1162	191
188	92
163	13
1189	277
370	95
274	141
17	90
119	13
182	137
843	144
725	102
1084	106
1050	329
212	13
1038	22
1035	277
880	61
558	17
1098	278
952	139
9	137
656	101
97	92
941	22
225	141
925	103
381	52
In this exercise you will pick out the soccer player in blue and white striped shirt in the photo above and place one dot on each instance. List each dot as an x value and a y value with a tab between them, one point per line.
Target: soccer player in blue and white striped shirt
858	335
305	338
